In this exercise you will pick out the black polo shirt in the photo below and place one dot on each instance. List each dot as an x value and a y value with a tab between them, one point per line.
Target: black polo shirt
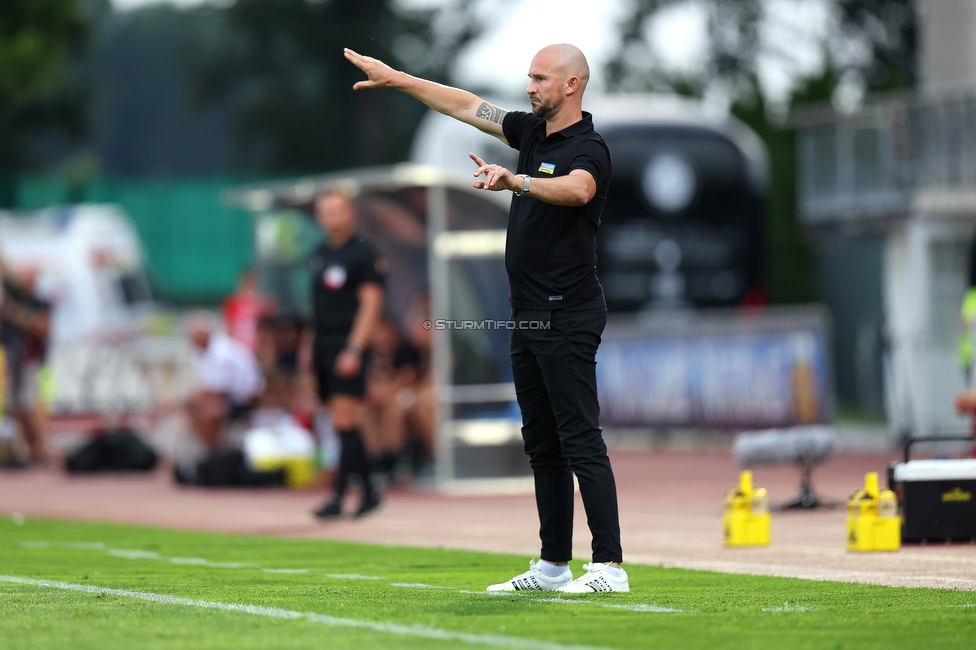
550	250
337	275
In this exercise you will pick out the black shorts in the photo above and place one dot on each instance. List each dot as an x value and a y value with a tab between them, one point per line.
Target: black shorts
329	384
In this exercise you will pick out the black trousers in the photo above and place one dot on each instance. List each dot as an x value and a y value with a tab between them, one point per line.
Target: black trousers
555	382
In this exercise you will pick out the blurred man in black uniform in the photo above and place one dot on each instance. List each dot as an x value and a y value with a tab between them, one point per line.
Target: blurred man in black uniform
347	298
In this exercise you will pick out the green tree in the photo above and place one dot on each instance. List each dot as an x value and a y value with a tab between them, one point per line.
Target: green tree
39	94
278	64
144	121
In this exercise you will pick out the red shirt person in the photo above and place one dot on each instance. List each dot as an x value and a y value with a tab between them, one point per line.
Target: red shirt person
243	308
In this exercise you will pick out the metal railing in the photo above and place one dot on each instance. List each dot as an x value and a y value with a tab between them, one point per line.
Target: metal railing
910	154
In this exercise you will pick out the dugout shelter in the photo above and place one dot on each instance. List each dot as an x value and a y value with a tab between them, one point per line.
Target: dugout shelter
443	240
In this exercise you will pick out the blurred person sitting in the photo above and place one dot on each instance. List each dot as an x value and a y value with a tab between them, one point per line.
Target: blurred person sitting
266	345
279	351
25	325
393	369
228	377
279	344
418	401
289	330
273	407
243	308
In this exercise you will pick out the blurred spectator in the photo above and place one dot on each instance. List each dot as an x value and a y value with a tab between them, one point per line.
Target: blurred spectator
266	344
417	402
279	349
288	332
965	401
278	342
229	380
244	308
394	368
967	315
25	323
274	404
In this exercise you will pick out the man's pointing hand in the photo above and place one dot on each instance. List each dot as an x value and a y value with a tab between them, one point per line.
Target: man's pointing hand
380	75
496	177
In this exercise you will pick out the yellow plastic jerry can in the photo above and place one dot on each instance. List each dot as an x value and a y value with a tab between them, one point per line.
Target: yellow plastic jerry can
873	523
746	518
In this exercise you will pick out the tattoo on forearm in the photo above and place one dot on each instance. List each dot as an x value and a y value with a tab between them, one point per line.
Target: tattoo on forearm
491	113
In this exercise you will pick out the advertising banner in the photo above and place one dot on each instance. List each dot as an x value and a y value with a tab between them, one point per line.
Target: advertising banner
765	373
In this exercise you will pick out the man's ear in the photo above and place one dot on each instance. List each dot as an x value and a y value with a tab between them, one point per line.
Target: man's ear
572	85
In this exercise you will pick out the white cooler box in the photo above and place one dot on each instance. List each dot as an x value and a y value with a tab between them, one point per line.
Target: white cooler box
937	498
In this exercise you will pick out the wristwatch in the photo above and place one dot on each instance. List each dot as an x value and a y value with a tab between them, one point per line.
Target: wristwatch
354	349
526	182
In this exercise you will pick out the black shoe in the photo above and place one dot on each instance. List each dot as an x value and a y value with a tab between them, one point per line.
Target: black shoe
330	510
185	474
370	502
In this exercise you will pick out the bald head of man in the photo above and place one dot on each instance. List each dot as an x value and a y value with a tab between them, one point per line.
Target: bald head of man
557	78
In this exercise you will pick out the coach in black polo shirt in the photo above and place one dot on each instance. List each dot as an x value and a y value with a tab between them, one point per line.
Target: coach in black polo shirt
560	188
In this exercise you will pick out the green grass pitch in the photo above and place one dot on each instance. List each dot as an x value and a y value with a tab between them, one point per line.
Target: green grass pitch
75	585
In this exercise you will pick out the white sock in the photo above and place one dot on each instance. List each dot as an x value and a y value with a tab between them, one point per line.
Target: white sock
550	570
616	572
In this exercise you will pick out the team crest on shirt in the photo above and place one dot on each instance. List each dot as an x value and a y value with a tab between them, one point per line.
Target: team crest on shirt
334	277
547	168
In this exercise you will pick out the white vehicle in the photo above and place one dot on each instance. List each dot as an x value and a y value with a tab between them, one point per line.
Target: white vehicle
90	267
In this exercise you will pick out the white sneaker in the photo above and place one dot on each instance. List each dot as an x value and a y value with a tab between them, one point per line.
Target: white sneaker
596	579
534	580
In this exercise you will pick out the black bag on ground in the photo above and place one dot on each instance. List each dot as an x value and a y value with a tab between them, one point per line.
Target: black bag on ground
114	450
227	467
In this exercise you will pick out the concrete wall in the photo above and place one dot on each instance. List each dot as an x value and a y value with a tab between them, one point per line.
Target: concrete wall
948	43
924	280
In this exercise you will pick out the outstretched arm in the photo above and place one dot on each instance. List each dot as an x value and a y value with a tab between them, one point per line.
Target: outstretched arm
454	102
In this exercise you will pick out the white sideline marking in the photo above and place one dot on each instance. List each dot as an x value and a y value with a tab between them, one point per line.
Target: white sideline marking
131	554
388	627
638	607
789	608
148	555
655	609
77	546
135	555
231	565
